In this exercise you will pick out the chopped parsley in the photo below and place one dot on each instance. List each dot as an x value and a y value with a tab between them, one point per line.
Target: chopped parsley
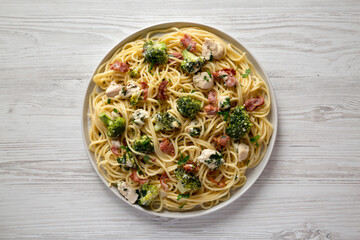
108	101
236	177
192	91
180	196
182	206
208	72
146	159
223	75
189	47
183	159
169	80
226	103
246	73
225	114
138	170
216	158
115	110
254	140
124	91
125	148
206	78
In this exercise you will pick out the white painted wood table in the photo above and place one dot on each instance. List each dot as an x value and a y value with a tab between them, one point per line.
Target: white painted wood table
309	190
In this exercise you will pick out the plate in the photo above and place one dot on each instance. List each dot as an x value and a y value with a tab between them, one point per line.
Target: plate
251	174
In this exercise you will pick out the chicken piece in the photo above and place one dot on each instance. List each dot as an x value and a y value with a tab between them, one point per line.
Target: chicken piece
113	89
243	151
128	90
212	50
203	80
128	192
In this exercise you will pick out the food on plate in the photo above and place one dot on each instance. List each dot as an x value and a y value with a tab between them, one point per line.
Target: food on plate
177	118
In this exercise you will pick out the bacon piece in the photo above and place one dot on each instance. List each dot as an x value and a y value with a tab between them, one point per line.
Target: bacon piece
162	91
221	141
136	178
163	179
253	103
115	150
175	55
212	180
211	110
119	66
187	42
191	166
145	88
167	147
226	74
124	142
212	97
220	184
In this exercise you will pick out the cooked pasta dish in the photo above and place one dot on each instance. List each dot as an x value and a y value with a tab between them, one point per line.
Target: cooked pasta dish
177	117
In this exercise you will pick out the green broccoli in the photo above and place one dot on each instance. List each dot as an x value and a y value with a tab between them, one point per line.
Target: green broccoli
135	97
165	121
186	181
134	73
128	159
192	63
143	145
147	194
239	123
155	53
188	107
115	127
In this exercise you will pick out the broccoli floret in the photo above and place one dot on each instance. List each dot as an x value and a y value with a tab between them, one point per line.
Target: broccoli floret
128	159
192	63
134	73
195	131
115	127
147	194
134	99
165	121
186	181
239	123
155	53
144	145
188	107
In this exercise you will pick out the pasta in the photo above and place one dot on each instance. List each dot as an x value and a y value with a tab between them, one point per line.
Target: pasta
158	168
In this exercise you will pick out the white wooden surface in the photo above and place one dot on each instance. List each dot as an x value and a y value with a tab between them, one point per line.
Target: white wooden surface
311	186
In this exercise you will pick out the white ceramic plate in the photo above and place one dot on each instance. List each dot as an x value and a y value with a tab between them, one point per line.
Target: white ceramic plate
251	174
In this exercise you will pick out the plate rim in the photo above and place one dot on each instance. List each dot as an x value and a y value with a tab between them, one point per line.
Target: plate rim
273	112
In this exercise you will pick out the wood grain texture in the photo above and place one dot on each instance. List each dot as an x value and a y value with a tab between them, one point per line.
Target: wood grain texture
311	186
